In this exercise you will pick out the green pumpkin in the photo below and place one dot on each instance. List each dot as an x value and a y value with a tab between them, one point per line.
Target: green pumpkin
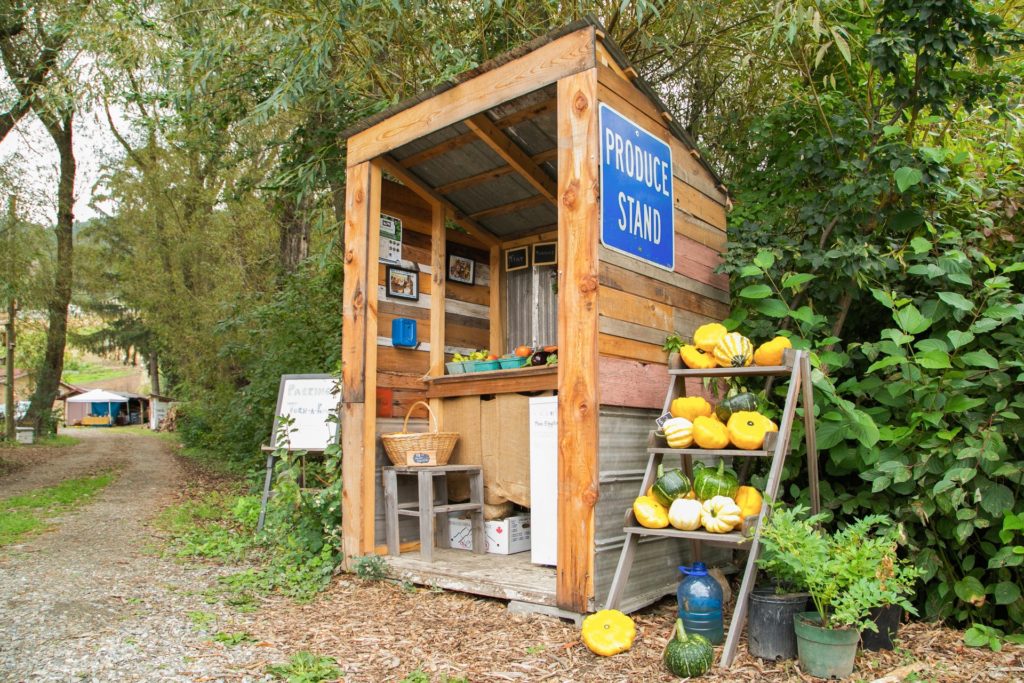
687	655
670	485
734	404
709	482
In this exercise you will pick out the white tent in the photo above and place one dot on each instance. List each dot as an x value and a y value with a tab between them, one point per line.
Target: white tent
98	396
100	410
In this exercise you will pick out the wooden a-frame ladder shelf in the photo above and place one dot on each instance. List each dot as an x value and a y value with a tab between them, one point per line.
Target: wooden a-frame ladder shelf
795	365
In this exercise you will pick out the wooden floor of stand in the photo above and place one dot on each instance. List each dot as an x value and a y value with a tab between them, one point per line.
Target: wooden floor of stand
509	577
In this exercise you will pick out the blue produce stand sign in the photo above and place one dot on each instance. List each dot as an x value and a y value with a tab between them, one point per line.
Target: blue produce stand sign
636	191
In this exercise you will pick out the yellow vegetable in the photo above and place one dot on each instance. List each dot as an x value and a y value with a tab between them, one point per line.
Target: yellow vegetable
747	429
721	515
650	513
690	407
770	353
734	350
608	632
710	433
696	359
706	337
749	499
678	432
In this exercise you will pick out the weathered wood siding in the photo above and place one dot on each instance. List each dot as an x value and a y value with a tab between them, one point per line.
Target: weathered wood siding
641	304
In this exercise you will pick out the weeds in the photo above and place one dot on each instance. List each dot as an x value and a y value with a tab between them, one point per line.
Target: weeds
305	667
233	639
370	567
26	514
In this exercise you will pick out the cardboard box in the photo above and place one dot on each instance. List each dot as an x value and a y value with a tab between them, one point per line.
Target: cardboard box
503	536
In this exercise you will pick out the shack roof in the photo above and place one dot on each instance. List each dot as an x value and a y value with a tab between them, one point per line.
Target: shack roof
467	165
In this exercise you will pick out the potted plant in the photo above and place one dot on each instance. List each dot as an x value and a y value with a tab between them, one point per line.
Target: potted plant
673	343
846	574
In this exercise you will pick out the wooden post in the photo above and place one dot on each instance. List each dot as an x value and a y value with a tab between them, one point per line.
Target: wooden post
438	261
359	358
578	190
497	329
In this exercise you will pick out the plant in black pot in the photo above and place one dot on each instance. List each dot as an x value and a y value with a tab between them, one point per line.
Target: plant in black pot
847	574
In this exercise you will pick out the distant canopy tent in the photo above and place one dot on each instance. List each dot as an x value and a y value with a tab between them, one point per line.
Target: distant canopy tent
99	404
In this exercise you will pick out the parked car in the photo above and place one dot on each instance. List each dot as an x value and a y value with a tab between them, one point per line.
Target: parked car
20	410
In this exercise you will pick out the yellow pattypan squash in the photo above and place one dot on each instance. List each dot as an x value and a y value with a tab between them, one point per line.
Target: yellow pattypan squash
650	513
734	350
747	429
770	353
608	632
721	515
706	337
696	359
749	499
710	433
690	407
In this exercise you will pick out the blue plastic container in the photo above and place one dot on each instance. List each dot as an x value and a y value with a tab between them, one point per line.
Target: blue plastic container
700	603
403	333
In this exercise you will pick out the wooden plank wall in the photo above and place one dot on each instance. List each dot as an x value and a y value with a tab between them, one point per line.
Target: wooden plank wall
400	371
641	304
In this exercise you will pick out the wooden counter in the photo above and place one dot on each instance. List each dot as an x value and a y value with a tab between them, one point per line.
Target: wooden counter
544	378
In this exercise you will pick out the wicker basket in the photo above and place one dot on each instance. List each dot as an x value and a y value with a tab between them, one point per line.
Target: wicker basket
401	445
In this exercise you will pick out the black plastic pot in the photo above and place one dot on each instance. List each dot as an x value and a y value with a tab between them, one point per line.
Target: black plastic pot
770	633
888	621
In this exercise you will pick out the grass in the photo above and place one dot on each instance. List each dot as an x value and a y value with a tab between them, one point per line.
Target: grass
50	441
306	667
28	513
94	373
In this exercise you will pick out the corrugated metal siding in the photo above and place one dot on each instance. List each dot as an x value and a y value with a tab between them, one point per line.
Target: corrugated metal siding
532	305
622	447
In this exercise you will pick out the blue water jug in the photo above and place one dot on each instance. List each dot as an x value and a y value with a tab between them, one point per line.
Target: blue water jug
700	603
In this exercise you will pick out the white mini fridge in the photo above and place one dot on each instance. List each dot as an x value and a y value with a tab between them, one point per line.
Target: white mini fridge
544	480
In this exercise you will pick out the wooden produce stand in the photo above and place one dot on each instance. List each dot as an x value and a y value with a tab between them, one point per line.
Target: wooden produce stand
497	180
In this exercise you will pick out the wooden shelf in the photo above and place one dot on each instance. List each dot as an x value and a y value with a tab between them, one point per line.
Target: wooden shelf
544	378
733	538
788	358
766	452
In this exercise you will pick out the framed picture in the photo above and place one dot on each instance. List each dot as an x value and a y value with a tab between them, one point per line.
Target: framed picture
517	259
403	284
545	253
460	269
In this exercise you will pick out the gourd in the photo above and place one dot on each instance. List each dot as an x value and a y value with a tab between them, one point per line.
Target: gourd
608	632
747	429
706	337
709	433
696	359
678	432
734	350
685	514
670	485
709	482
747	497
721	515
688	655
650	513
770	353
690	407
744	400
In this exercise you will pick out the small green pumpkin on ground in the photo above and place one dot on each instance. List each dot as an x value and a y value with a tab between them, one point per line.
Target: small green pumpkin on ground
688	655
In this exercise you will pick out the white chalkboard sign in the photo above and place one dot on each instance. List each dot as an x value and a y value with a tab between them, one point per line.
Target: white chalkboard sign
308	400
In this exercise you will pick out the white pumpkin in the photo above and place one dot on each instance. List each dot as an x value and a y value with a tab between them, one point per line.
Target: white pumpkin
685	514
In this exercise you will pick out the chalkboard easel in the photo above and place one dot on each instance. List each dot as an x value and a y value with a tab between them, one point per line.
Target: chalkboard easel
308	402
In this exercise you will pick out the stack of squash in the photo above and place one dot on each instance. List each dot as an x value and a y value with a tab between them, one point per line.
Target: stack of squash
735	421
714	346
715	501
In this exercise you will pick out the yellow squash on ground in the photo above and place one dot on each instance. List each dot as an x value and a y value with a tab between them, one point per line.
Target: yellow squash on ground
749	499
770	353
706	337
710	433
690	407
650	513
720	515
608	632
734	351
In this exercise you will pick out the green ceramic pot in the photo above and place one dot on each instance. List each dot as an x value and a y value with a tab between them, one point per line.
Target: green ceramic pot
824	652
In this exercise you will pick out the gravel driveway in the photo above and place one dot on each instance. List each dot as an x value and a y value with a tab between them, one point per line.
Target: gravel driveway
91	600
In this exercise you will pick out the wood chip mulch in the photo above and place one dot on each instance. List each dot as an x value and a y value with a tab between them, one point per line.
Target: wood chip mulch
382	631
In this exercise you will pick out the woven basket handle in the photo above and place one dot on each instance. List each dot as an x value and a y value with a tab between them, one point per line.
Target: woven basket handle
405	425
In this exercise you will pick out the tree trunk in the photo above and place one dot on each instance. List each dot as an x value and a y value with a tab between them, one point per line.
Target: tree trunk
294	241
154	373
49	376
10	430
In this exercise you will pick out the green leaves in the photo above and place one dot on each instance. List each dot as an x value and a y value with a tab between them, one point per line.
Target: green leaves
756	292
956	301
906	177
969	589
981	359
910	320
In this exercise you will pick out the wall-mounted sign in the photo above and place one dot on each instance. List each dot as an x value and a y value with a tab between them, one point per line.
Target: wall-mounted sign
545	254
517	259
636	191
390	239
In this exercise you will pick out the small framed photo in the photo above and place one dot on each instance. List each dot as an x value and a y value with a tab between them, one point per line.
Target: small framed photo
403	283
460	269
517	259
545	254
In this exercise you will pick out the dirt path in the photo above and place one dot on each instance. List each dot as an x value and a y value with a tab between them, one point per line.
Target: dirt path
90	600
